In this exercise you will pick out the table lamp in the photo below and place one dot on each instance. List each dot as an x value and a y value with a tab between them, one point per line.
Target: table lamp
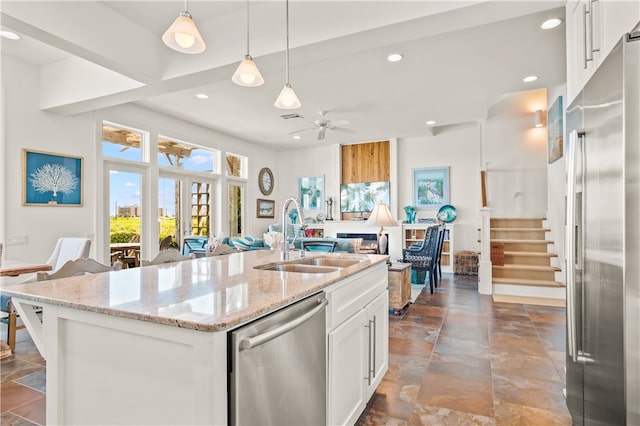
381	216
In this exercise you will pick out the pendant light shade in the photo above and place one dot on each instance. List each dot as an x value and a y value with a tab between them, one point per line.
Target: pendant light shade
287	98
247	73
183	35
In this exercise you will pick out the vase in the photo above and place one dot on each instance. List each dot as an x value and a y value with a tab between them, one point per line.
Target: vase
410	212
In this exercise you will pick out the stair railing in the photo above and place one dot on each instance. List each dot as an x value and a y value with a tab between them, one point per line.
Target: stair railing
485	279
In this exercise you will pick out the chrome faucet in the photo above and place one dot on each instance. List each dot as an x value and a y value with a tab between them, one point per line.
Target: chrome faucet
285	208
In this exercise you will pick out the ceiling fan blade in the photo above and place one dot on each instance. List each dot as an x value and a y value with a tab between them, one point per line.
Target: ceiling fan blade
302	130
321	133
344	130
340	123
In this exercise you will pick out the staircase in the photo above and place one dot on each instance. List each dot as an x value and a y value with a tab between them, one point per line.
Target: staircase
527	275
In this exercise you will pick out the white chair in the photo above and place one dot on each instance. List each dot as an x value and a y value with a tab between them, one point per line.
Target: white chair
77	267
168	256
66	249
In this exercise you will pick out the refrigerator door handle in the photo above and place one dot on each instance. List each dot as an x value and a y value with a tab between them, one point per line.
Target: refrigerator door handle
570	249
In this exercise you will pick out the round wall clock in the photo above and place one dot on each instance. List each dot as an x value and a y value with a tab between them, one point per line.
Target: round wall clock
265	180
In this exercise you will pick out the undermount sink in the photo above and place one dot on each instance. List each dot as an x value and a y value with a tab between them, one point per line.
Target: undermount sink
311	265
295	267
327	261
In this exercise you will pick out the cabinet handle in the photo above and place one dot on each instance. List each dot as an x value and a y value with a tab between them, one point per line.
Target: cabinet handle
585	21
593	26
370	354
375	331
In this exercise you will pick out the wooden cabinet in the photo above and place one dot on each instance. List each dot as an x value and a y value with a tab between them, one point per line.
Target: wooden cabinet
593	28
414	233
399	286
358	344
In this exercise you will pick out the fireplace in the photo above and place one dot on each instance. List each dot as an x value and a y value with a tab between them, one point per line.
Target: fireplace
369	243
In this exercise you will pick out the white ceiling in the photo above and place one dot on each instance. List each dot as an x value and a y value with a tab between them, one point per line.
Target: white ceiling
458	57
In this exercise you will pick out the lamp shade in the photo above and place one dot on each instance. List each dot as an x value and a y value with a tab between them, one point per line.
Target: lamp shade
287	98
381	216
247	73
183	35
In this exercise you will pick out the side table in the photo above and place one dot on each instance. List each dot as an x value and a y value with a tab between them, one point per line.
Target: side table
399	286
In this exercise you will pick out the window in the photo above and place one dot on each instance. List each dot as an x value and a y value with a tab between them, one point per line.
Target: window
174	153
237	166
122	143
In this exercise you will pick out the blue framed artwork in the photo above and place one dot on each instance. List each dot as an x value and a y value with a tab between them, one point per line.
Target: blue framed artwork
555	129
430	188
50	179
311	192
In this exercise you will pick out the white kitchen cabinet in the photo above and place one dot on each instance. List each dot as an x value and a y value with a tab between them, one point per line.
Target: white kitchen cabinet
358	344
593	28
347	344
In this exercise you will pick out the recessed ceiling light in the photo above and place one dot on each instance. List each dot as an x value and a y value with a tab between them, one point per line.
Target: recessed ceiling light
297	137
394	57
430	123
550	23
10	35
202	96
530	78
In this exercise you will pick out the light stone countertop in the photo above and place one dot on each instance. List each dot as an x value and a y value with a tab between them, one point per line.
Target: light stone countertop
206	294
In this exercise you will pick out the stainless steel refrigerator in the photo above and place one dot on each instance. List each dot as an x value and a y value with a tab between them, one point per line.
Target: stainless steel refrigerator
602	242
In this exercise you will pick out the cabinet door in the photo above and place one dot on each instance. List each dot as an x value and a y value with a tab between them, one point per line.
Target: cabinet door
377	355
348	345
616	19
579	68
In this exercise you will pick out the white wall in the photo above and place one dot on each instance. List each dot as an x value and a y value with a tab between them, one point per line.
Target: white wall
515	153
557	188
457	147
26	126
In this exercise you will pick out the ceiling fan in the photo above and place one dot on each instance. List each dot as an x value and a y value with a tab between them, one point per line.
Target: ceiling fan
323	124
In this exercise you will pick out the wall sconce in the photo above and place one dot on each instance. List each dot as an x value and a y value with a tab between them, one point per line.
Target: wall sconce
539	120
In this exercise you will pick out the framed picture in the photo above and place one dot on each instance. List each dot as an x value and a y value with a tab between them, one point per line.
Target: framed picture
311	192
265	208
554	131
430	188
50	179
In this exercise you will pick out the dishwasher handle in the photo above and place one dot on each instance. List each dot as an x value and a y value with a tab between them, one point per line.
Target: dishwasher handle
252	342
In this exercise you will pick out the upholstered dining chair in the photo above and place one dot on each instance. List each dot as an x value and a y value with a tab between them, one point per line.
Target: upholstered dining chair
77	267
422	256
66	248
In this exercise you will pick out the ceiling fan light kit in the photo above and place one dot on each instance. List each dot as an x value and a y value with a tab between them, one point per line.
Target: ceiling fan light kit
247	73
287	98
183	35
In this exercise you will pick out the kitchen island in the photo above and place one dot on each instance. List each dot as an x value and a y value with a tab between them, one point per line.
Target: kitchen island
150	345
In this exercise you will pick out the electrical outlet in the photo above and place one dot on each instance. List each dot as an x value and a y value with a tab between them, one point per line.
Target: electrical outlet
15	240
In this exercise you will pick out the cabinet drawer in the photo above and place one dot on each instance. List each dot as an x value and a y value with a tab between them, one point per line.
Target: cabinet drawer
351	295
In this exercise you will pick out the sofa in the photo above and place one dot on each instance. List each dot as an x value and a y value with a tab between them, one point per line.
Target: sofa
198	245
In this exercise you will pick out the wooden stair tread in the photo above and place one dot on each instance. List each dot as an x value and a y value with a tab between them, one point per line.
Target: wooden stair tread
510	241
519	218
522	281
522	229
529	253
528	300
529	267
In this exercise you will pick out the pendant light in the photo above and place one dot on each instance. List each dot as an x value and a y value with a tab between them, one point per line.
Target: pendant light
247	73
183	35
287	98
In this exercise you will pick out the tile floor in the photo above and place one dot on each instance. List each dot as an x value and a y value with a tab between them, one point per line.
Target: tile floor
455	357
458	358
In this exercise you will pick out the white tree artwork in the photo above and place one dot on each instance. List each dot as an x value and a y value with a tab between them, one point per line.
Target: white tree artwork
54	178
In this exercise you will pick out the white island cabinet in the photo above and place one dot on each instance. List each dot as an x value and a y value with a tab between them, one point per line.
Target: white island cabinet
358	323
149	345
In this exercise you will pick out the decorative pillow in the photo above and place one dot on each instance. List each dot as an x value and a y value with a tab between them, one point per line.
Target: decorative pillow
243	244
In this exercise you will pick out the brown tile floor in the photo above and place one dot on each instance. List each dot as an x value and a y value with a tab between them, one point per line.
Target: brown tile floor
455	358
458	358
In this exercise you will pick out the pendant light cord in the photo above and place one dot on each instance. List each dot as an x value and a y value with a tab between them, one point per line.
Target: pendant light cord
247	27
186	5
287	51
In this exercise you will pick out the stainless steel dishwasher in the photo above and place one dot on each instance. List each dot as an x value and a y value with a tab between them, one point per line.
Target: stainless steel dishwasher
277	367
